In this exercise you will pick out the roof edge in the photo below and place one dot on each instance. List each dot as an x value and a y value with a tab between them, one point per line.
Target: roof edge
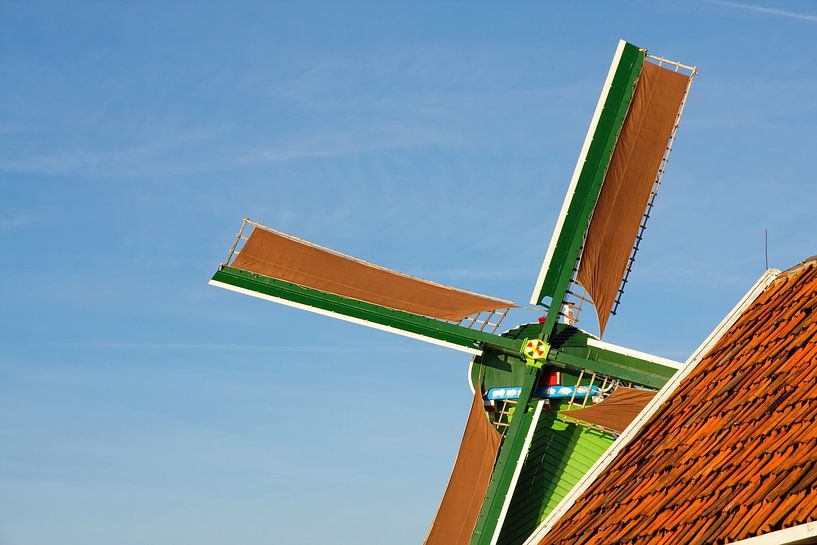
792	535
805	263
652	407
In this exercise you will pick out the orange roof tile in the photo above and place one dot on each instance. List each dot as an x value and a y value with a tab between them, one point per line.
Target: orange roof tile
732	453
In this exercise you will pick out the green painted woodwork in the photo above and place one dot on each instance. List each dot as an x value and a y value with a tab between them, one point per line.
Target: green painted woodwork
560	454
573	449
501	365
412	323
509	453
569	353
588	186
496	369
612	364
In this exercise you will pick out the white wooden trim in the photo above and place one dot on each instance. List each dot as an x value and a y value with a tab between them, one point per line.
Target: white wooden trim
345	318
651	408
534	299
782	537
517	471
634	353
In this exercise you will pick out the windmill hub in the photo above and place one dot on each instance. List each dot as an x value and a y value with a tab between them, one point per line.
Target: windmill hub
535	351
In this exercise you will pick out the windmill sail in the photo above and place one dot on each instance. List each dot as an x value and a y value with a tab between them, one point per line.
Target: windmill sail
615	413
628	137
279	256
619	168
459	508
629	183
284	269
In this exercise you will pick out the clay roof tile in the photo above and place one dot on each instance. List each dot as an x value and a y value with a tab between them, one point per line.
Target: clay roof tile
732	453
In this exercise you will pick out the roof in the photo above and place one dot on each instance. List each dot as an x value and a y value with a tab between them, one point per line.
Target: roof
731	452
629	184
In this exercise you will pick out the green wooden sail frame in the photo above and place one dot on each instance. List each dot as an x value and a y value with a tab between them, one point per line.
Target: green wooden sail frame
469	334
565	245
583	353
419	327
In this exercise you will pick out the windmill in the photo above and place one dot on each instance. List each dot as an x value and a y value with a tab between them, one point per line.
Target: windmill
520	375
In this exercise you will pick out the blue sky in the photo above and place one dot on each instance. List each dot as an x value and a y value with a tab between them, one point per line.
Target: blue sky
139	405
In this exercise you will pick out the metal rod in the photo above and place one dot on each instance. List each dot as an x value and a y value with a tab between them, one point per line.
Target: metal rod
674	63
766	246
237	240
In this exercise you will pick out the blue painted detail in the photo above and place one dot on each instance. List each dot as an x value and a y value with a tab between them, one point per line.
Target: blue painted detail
504	393
550	392
567	391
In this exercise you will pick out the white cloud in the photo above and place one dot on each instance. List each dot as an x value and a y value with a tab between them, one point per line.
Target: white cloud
768	11
15	222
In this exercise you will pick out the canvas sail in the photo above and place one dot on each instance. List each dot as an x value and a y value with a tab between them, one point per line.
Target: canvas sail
293	260
457	515
628	183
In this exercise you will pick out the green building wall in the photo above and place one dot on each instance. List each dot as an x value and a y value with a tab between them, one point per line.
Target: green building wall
559	456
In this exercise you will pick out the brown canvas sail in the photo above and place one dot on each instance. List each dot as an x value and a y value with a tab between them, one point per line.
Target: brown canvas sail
628	183
617	411
299	262
457	515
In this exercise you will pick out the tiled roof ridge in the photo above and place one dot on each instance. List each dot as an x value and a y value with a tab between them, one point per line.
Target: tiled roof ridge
796	268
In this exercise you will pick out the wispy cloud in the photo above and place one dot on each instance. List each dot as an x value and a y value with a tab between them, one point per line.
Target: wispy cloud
766	10
15	222
165	154
372	138
329	108
148	345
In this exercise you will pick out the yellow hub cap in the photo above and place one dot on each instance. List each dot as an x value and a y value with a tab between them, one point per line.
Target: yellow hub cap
535	349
